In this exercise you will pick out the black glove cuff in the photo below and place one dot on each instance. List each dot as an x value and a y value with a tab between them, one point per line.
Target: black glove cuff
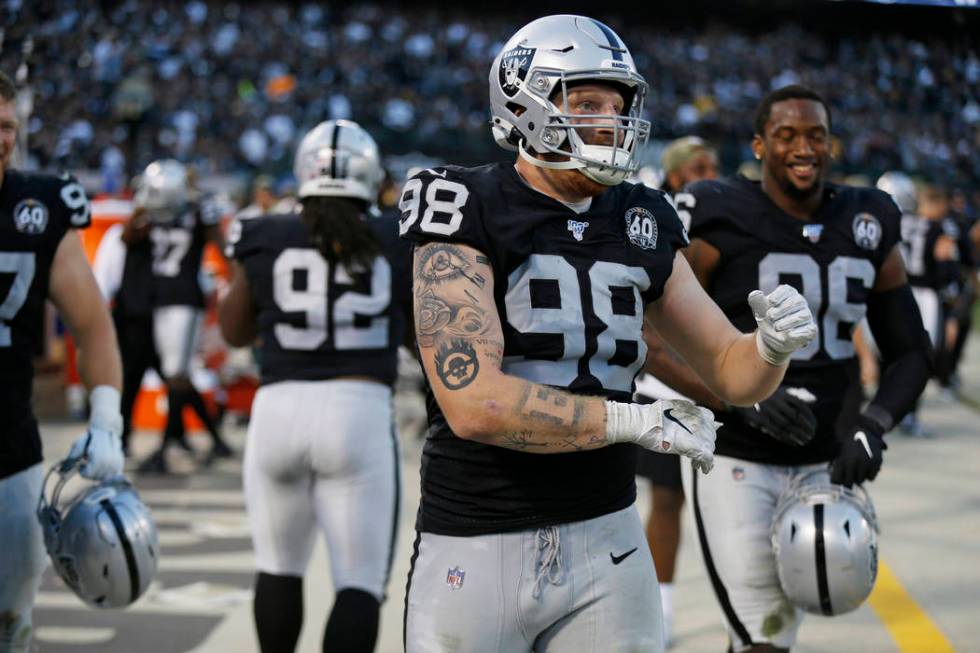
874	420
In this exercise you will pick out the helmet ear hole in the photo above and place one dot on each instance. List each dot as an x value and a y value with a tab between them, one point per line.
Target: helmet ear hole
515	108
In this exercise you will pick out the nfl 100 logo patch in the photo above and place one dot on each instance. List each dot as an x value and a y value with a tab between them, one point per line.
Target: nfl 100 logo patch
31	217
812	232
867	231
455	577
641	228
577	229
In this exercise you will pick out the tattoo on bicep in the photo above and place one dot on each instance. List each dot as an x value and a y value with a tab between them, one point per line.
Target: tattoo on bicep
439	263
443	310
446	316
456	364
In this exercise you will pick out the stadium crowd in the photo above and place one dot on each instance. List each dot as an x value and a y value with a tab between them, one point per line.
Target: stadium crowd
230	86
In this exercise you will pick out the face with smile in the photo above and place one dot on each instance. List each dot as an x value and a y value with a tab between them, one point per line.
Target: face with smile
795	150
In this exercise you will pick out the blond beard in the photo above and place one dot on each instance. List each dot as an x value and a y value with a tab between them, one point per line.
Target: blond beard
567	183
575	183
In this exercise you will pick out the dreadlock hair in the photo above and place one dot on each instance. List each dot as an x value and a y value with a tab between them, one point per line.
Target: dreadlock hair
791	92
340	231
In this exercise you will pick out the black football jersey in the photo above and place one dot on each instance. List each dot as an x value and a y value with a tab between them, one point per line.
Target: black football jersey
319	321
178	249
919	236
570	289
134	299
833	260
35	213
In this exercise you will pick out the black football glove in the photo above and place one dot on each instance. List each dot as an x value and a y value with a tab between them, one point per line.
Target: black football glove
782	417
859	459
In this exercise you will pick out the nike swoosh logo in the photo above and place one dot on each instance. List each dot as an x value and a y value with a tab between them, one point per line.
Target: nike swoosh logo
437	174
676	421
863	439
618	559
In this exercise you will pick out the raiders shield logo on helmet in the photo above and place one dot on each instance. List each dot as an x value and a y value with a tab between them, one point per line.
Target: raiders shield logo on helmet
513	68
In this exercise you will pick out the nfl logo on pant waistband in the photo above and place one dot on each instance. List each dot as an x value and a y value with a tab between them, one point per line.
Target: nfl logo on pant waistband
455	578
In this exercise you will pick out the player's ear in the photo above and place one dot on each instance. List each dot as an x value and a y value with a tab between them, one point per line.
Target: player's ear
758	148
836	148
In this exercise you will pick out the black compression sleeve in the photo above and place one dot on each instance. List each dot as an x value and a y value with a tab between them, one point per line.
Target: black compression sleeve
905	351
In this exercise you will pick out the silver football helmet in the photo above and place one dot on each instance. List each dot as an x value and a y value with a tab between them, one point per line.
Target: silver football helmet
825	538
102	542
163	188
545	57
337	158
902	189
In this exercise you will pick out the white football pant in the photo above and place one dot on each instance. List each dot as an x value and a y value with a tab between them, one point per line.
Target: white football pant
583	587
733	509
176	330
324	454
23	558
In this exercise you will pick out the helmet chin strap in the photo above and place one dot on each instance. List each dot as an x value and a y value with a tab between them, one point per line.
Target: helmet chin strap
571	164
606	178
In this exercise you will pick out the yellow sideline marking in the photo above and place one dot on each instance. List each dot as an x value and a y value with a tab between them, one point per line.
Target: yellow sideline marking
907	623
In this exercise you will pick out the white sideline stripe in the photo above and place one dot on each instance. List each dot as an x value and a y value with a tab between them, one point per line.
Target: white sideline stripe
68	601
239	562
73	635
178	538
230	498
226	518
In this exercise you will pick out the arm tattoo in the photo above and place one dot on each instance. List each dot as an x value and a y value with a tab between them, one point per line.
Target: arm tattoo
441	313
543	407
456	364
440	263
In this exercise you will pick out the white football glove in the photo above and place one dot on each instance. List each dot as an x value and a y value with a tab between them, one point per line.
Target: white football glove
785	323
665	426
101	446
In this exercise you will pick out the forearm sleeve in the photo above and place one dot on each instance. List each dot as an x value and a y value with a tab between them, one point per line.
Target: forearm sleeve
905	350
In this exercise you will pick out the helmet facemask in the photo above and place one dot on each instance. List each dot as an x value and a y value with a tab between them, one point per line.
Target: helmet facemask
567	134
537	68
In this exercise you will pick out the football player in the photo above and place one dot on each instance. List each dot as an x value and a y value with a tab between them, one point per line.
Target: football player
327	293
954	279
124	273
839	246
684	161
42	258
177	226
929	254
531	283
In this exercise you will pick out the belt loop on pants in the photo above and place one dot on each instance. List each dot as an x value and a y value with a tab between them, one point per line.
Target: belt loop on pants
549	558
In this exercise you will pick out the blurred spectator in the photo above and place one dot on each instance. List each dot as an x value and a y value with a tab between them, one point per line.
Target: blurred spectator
228	85
263	199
